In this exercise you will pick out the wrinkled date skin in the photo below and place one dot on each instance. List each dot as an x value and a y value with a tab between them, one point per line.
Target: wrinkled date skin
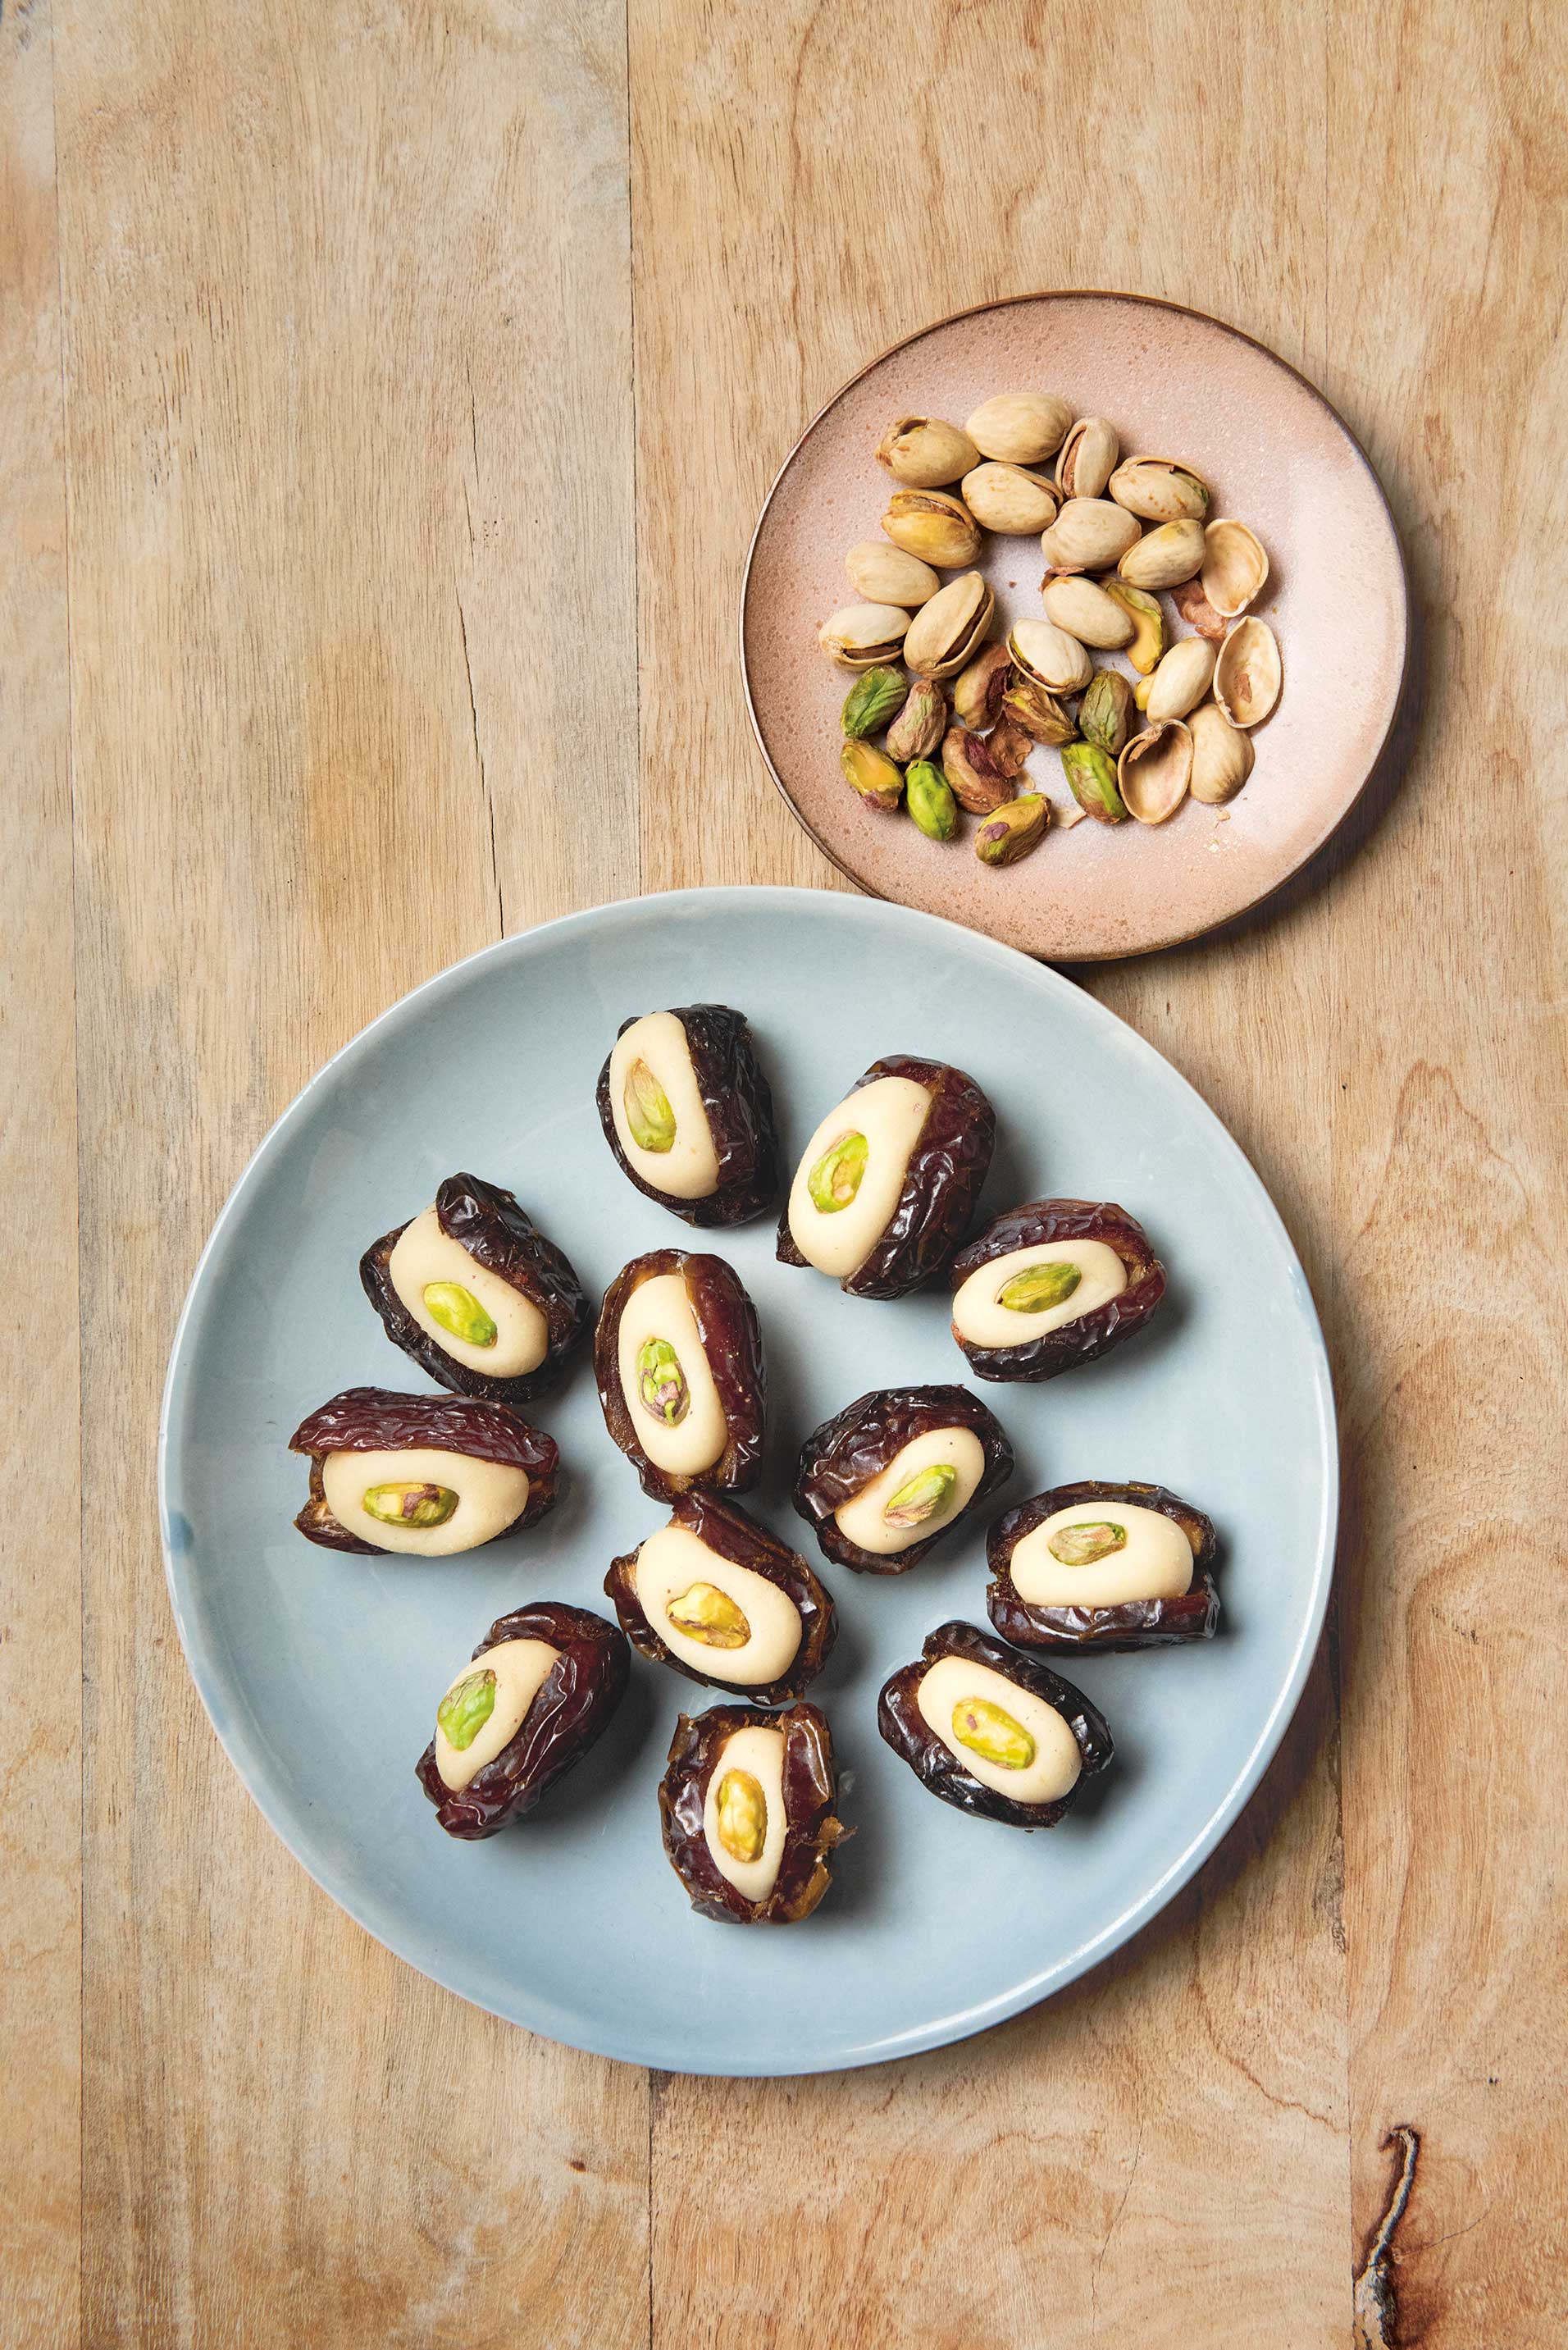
947	1170
726	1529
375	1419
1043	1220
731	1339
911	1737
580	1692
500	1235
1135	1623
740	1113
811	1797
845	1453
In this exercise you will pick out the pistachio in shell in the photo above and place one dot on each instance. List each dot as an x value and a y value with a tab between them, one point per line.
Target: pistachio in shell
873	775
937	528
884	574
920	725
1019	428
1092	779
1247	674
1222	756
1235	567
978	688
1090	535
1197	611
1148	616
1049	656
1181	681
929	797
1029	705
945	633
1163	558
924	451
863	636
1083	608
1160	489
873	700
1153	771
976	781
1010	499
1105	714
1012	830
1009	747
1087	458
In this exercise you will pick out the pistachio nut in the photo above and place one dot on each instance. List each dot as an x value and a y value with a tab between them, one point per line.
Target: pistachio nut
1181	681
1247	674
409	1505
990	1730
741	1815
1019	428
1091	780
459	1311
919	1497
873	775
1039	1287
467	1707
662	1383
705	1613
1086	458
1008	499
1012	830
1009	747
884	574
1221	756
874	699
1049	656
1142	690
1105	713
1159	489
929	797
647	1109
1164	558
978	690
939	529
1027	704
1197	611
1235	569
837	1174
1148	616
920	725
863	636
1086	612
1088	534
1153	771
924	451
946	633
1086	1542
976	781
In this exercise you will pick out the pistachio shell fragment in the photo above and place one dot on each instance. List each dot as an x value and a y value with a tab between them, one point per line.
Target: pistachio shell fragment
1247	674
741	1815
863	635
1027	704
924	451
1164	558
944	633
1181	681
1092	779
1235	569
1197	611
1012	830
1086	612
1039	1287
466	1708
873	700
1147	617
1049	656
1087	458
409	1505
1009	747
1019	426
873	775
459	1311
1008	499
919	1497
988	1730
705	1613
1153	771
1086	1542
920	725
1221	756
662	1383
837	1174
1105	714
884	574
929	797
978	690
976	780
1090	535
939	529
1159	489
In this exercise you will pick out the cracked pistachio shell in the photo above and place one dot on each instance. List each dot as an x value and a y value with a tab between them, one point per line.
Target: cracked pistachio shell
1153	771
863	636
945	633
924	451
1221	756
883	574
1197	611
927	795
1160	489
1008	499
1165	557
978	690
873	775
1181	681
1148	616
1050	657
1091	780
1028	705
1087	458
1012	830
1247	674
1090	535
1235	569
922	723
939	529
1019	426
1105	714
1086	612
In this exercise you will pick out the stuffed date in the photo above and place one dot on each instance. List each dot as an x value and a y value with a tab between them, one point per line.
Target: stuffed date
428	1475
716	1597
896	1472
886	1185
749	1802
678	1356
476	1295
538	1690
990	1731
686	1109
1103	1567
1051	1284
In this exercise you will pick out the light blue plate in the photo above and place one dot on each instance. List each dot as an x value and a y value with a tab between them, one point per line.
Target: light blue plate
321	1672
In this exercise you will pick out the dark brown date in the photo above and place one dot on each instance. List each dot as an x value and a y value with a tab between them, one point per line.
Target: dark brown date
725	1529
579	1694
1134	1622
841	1457
947	1170
732	1340
500	1235
740	1113
375	1419
938	1770
811	1796
1042	1222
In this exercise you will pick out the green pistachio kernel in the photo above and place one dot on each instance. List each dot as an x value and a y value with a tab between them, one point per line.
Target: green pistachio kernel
989	1731
647	1110
1092	779
410	1505
929	797
1039	1287
661	1382
837	1174
874	699
466	1708
1088	1539
705	1613
459	1311
919	1497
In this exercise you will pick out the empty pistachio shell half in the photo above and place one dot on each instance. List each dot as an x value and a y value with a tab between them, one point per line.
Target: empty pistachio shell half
1235	567
929	797
1163	558
1247	674
1086	612
939	529
1087	458
874	701
1090	535
1008	499
978	690
883	574
1147	617
1159	489
978	783
1019	426
1181	681
924	451
944	633
1012	830
1028	704
1153	771
1221	756
1105	714
1049	656
922	723
863	635
1091	780
873	775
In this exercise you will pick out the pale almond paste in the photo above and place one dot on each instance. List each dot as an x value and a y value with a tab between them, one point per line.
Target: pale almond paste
660	1308
688	1169
670	1560
1156	1565
490	1497
977	1317
860	1520
521	1669
761	1751
426	1254
1057	1762
889	1112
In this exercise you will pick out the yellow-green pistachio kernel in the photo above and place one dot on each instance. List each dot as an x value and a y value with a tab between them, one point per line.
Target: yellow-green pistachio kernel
929	797
990	1730
1106	712
878	779
705	1613
661	1382
1147	614
459	1311
464	1710
742	1815
647	1110
1091	780
839	1173
1089	1539
919	1497
875	698
409	1505
1039	1287
1012	830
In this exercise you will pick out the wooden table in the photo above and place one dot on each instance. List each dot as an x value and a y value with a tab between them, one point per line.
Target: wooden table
386	391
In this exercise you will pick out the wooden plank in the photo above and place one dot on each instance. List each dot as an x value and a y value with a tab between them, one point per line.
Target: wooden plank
349	448
40	1558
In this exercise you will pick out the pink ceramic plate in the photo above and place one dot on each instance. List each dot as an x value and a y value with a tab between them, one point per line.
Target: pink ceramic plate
1174	383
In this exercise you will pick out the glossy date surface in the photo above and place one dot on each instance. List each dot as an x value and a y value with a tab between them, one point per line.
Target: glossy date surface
938	1770
811	1796
1132	1623
1047	1222
841	1457
377	1420
738	1105
723	1527
732	1340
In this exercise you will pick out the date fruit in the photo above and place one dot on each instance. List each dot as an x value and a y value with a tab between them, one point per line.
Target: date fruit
749	1805
990	1731
895	1471
719	1598
678	1356
1050	1284
1105	1566
428	1475
687	1111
